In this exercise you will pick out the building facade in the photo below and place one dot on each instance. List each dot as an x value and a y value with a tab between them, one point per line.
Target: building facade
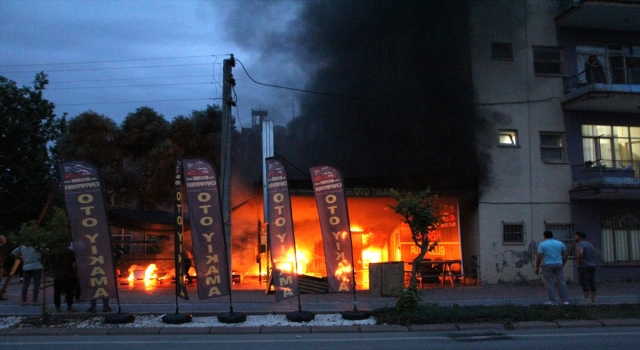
559	134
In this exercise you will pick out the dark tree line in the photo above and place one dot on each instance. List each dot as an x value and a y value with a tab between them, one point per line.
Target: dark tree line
136	158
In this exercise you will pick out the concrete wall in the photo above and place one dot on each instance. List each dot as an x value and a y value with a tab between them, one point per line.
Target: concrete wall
520	187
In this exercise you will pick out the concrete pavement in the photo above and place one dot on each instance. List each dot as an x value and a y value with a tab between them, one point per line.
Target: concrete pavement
250	298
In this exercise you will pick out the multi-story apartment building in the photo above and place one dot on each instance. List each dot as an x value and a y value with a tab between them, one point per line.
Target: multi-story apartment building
559	135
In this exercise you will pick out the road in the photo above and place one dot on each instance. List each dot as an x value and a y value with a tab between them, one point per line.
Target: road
575	338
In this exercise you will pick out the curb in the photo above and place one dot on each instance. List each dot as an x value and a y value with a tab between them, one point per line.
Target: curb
317	329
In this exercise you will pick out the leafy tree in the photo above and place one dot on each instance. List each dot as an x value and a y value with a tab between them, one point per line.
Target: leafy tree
419	212
200	134
53	234
92	137
28	173
142	131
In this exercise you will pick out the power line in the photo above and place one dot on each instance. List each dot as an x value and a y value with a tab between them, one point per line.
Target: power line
302	90
125	79
111	68
125	86
110	61
125	102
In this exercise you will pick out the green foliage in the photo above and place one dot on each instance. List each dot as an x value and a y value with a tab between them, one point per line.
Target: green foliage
408	300
28	125
505	314
92	137
419	212
53	234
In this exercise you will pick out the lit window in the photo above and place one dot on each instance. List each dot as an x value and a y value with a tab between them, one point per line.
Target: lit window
501	51
512	232
552	147
612	146
508	138
548	61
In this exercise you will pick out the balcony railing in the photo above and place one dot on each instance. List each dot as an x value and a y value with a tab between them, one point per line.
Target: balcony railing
565	5
623	76
606	173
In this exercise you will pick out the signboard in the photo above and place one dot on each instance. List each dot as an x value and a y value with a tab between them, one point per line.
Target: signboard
207	232
334	224
282	244
84	200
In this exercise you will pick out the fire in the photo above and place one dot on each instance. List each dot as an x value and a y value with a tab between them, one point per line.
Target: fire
288	264
371	255
149	274
344	271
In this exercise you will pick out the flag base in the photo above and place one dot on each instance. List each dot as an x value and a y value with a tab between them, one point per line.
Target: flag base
119	318
177	318
232	317
356	315
300	316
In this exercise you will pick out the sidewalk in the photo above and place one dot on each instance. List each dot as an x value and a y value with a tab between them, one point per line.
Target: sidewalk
252	300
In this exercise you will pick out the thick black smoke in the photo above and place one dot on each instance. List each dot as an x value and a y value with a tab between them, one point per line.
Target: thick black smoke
399	74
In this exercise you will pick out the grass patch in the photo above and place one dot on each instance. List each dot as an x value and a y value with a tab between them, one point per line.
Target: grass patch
505	314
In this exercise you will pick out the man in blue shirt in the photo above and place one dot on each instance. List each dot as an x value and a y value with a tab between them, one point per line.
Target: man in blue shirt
552	255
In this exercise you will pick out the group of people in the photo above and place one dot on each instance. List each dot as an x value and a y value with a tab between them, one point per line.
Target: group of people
65	276
552	256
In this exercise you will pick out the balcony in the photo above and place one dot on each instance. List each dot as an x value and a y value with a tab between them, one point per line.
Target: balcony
618	15
606	179
615	90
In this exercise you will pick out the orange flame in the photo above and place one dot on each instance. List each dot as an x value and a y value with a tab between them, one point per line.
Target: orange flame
289	261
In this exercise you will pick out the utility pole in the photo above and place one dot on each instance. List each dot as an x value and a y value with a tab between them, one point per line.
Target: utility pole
225	161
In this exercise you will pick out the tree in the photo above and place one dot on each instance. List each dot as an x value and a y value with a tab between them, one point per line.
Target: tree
419	212
142	131
92	137
28	173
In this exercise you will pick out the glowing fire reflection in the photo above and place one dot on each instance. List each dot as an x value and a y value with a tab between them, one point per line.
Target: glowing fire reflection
289	261
148	275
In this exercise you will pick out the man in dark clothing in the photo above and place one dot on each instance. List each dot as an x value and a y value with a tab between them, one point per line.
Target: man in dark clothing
585	255
594	70
65	277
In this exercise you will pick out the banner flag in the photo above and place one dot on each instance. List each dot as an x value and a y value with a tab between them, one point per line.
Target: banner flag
87	211
207	231
282	244
334	224
179	255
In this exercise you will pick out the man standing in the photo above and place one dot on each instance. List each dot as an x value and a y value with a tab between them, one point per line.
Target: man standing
586	257
62	263
552	255
32	268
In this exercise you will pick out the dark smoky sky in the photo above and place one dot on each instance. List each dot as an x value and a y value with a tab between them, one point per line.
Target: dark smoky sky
395	74
398	95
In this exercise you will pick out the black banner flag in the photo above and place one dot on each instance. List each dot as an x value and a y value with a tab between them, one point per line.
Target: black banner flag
207	231
334	224
87	213
181	288
282	244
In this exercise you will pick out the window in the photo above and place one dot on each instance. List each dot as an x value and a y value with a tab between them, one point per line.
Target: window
563	233
120	236
620	62
501	51
611	146
621	237
513	233
548	61
552	147
508	138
